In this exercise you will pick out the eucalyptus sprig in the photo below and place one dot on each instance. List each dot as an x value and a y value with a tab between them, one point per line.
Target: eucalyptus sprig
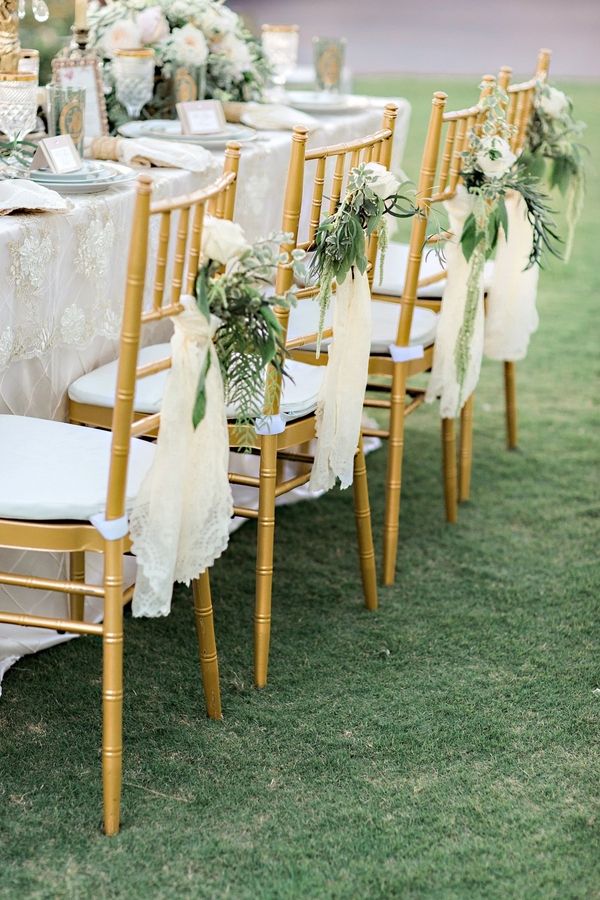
340	242
248	337
554	151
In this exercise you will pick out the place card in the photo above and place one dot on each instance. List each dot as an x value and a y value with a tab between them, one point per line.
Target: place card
58	154
201	116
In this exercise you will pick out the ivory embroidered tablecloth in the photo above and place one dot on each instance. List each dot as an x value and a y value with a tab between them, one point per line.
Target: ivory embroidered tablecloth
61	290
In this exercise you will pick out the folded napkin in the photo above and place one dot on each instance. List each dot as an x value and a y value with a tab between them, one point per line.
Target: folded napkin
21	195
150	152
275	117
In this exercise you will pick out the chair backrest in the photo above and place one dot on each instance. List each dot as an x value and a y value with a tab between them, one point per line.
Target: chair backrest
308	174
447	138
218	199
521	96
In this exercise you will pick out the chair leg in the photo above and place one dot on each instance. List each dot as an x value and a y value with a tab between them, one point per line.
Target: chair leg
393	481
207	647
510	395
466	451
112	685
264	557
449	469
76	573
362	512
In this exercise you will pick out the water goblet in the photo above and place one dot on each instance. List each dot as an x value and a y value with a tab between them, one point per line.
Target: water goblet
18	110
280	44
134	79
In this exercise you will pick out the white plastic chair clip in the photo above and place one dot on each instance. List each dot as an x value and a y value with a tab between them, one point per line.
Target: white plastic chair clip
405	354
111	529
269	424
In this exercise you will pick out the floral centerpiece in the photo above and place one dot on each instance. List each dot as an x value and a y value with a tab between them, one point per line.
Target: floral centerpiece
186	35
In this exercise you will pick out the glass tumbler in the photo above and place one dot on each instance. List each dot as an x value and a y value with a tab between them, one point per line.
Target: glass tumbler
66	112
329	55
280	44
18	103
133	72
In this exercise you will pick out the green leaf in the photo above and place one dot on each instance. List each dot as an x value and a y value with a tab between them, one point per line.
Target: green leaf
199	410
202	293
470	237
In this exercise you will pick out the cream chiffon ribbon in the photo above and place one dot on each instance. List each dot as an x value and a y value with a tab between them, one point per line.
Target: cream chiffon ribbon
340	403
511	316
180	520
444	381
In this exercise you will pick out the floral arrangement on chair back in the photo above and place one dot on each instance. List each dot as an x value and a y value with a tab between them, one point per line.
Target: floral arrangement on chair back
553	151
197	40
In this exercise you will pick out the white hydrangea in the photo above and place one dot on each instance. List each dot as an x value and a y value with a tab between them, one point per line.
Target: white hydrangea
216	19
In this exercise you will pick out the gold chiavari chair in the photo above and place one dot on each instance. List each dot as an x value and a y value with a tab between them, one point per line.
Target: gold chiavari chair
519	113
68	488
309	173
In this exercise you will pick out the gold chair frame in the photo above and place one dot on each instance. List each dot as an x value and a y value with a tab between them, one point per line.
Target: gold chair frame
438	181
292	445
520	110
75	538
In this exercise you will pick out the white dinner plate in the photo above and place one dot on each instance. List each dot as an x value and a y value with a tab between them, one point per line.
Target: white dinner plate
170	130
89	171
115	174
323	102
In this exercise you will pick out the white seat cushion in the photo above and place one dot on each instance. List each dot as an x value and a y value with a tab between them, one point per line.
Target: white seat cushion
304	320
51	470
394	268
97	388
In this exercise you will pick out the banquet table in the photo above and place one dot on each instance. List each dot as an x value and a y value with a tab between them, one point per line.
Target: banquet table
61	290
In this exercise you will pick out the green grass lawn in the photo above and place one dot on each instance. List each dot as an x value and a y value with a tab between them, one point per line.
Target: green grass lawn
445	746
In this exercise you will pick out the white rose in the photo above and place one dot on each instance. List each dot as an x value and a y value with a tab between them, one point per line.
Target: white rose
554	103
123	35
216	19
383	183
152	25
495	157
189	46
236	52
222	240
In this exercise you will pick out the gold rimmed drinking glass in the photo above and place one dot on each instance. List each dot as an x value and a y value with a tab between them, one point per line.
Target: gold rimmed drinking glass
18	103
133	71
280	44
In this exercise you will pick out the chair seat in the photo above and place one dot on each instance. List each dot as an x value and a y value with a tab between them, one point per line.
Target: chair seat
52	470
97	388
304	320
394	268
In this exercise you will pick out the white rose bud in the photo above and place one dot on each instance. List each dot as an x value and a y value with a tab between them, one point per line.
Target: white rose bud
554	103
382	182
495	157
153	26
222	240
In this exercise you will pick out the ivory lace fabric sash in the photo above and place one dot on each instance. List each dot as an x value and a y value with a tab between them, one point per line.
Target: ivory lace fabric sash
459	335
511	316
180	521
340	403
